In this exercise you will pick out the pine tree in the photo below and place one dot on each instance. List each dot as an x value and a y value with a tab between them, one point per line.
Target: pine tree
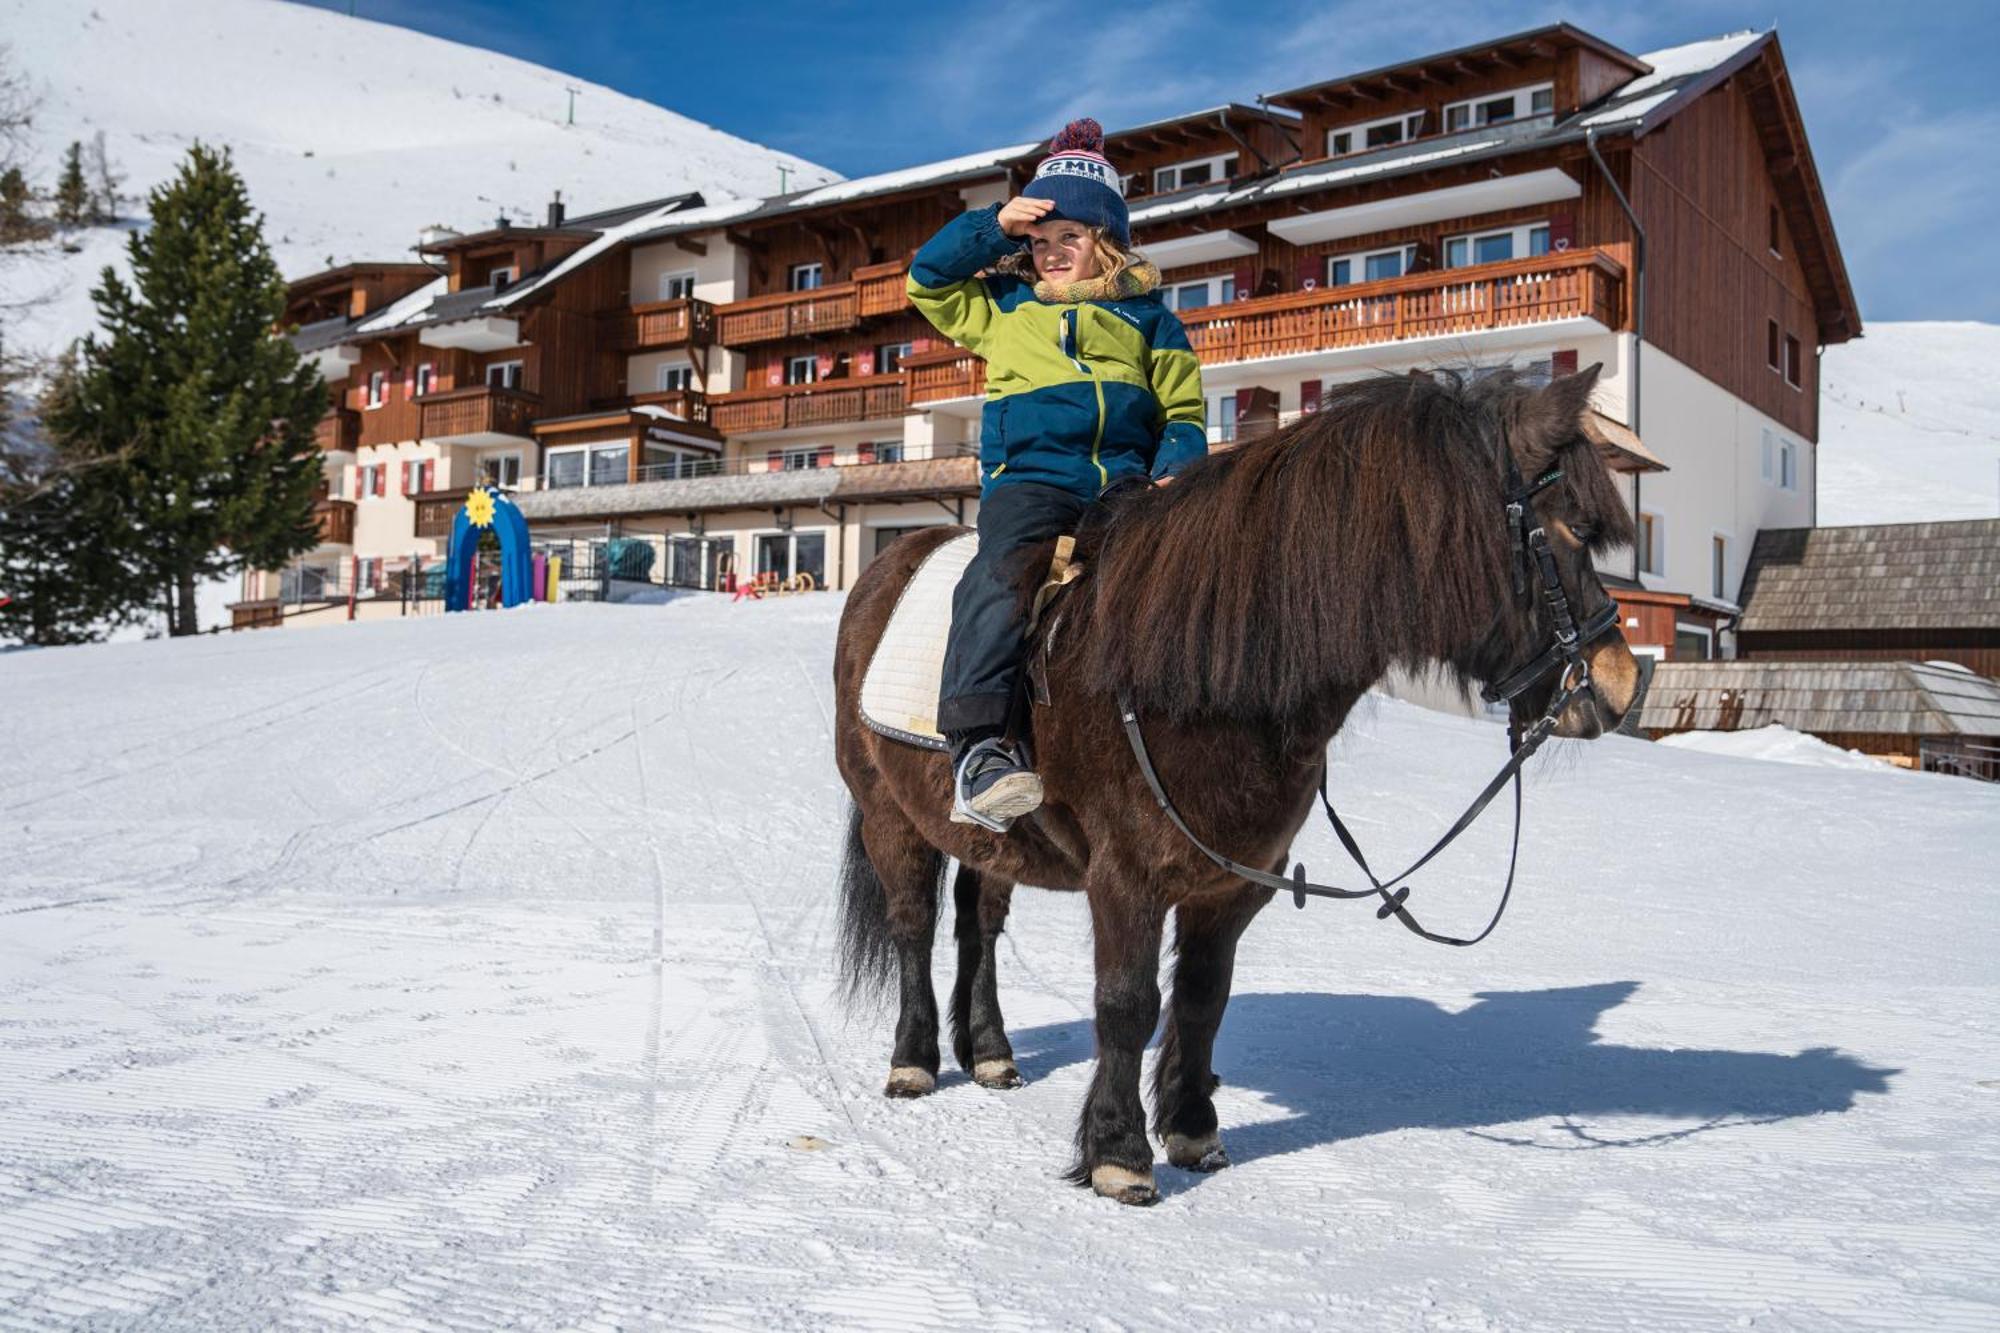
213	412
16	222
72	190
103	183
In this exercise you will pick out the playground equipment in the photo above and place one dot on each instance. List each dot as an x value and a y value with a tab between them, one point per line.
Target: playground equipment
486	509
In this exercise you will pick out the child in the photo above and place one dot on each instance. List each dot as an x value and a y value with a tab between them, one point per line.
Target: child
1089	381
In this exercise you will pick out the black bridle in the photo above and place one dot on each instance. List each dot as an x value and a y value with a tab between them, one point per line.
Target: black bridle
1532	556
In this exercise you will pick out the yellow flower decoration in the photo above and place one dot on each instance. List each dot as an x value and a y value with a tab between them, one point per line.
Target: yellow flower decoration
479	508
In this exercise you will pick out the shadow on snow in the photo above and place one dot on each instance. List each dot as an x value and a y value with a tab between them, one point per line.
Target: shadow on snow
1349	1066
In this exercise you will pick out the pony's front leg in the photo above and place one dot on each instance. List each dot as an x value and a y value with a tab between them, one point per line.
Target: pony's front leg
1114	1156
1184	1081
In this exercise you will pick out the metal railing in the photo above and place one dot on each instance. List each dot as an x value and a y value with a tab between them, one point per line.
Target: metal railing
773	460
1960	757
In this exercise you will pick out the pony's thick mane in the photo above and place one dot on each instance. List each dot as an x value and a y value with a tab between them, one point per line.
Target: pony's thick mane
1368	535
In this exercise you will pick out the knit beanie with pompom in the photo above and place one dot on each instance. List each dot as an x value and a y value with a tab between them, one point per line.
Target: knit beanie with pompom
1081	182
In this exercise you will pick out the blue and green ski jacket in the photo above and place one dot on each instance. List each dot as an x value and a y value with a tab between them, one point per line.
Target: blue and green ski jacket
1078	395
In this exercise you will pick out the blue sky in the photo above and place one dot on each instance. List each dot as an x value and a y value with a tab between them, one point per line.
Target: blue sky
1899	99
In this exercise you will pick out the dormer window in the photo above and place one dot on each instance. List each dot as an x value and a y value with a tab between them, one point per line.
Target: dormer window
1498	109
1201	171
503	278
1370	134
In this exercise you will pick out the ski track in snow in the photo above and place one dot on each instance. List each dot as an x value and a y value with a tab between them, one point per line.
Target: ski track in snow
477	971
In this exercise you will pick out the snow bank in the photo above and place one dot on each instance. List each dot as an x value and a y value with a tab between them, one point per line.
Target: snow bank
1777	744
476	971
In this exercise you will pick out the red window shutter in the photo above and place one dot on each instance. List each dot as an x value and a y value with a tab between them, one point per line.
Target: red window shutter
864	363
867	453
1244	397
1312	271
1563	362
825	458
826	364
920	343
775	377
1246	281
774	459
430	472
1309	396
1562	231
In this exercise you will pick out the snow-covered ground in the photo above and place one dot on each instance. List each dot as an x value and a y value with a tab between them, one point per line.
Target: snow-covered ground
476	971
1777	744
1910	425
352	135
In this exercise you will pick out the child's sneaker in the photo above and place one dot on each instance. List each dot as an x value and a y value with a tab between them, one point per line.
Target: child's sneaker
993	788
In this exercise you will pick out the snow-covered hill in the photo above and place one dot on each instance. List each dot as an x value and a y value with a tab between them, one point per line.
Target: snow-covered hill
351	134
476	973
1910	425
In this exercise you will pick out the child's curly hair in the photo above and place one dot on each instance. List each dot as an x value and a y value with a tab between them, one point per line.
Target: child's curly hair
1112	259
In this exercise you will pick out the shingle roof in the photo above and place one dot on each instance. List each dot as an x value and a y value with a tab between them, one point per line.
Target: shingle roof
1898	698
1881	576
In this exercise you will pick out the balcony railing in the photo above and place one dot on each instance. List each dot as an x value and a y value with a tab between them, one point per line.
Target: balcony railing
828	402
437	509
687	404
336	521
774	460
484	409
338	431
1449	302
877	289
1442	303
661	324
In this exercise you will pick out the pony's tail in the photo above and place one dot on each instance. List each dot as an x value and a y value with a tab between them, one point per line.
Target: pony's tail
867	951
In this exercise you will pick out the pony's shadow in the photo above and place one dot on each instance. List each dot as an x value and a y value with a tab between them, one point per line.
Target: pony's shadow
1348	1066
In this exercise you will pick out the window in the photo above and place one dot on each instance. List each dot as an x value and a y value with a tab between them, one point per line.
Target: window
889	357
1369	265
1200	172
503	277
1776	249
889	451
1222	418
565	468
675	378
374	479
1788	466
504	375
1194	295
677	286
1769	469
1771	344
1793	358
1384	133
1693	643
426	379
1718	567
1498	110
674	464
413	476
805	277
604	464
500	470
1652	544
886	537
800	460
378	388
802	370
1493	247
368	574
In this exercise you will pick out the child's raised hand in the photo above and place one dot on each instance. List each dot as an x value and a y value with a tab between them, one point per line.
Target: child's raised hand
1020	213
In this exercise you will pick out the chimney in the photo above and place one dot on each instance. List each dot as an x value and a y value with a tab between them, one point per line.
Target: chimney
556	210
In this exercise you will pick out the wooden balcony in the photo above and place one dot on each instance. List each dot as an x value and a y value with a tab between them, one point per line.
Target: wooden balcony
1443	303
336	521
339	431
482	414
875	290
829	402
437	509
687	404
659	325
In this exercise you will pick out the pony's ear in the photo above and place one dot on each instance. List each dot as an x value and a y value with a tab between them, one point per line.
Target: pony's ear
1552	417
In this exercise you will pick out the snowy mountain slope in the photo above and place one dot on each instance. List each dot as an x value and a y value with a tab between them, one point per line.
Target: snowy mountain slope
1910	425
351	134
414	974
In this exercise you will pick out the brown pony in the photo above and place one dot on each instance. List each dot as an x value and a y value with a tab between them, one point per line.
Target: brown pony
1244	610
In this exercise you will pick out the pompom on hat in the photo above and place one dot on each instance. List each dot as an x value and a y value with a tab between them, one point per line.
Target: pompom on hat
1081	182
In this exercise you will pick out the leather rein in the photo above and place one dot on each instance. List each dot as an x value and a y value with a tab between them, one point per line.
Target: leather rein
1530	549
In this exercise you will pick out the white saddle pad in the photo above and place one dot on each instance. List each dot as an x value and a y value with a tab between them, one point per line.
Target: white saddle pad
899	695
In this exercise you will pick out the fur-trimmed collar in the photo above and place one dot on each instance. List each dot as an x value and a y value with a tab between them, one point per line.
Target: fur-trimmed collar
1137	279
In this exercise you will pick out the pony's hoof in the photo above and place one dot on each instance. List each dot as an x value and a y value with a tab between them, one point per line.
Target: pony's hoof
1124	1186
996	1074
910	1081
1197	1154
